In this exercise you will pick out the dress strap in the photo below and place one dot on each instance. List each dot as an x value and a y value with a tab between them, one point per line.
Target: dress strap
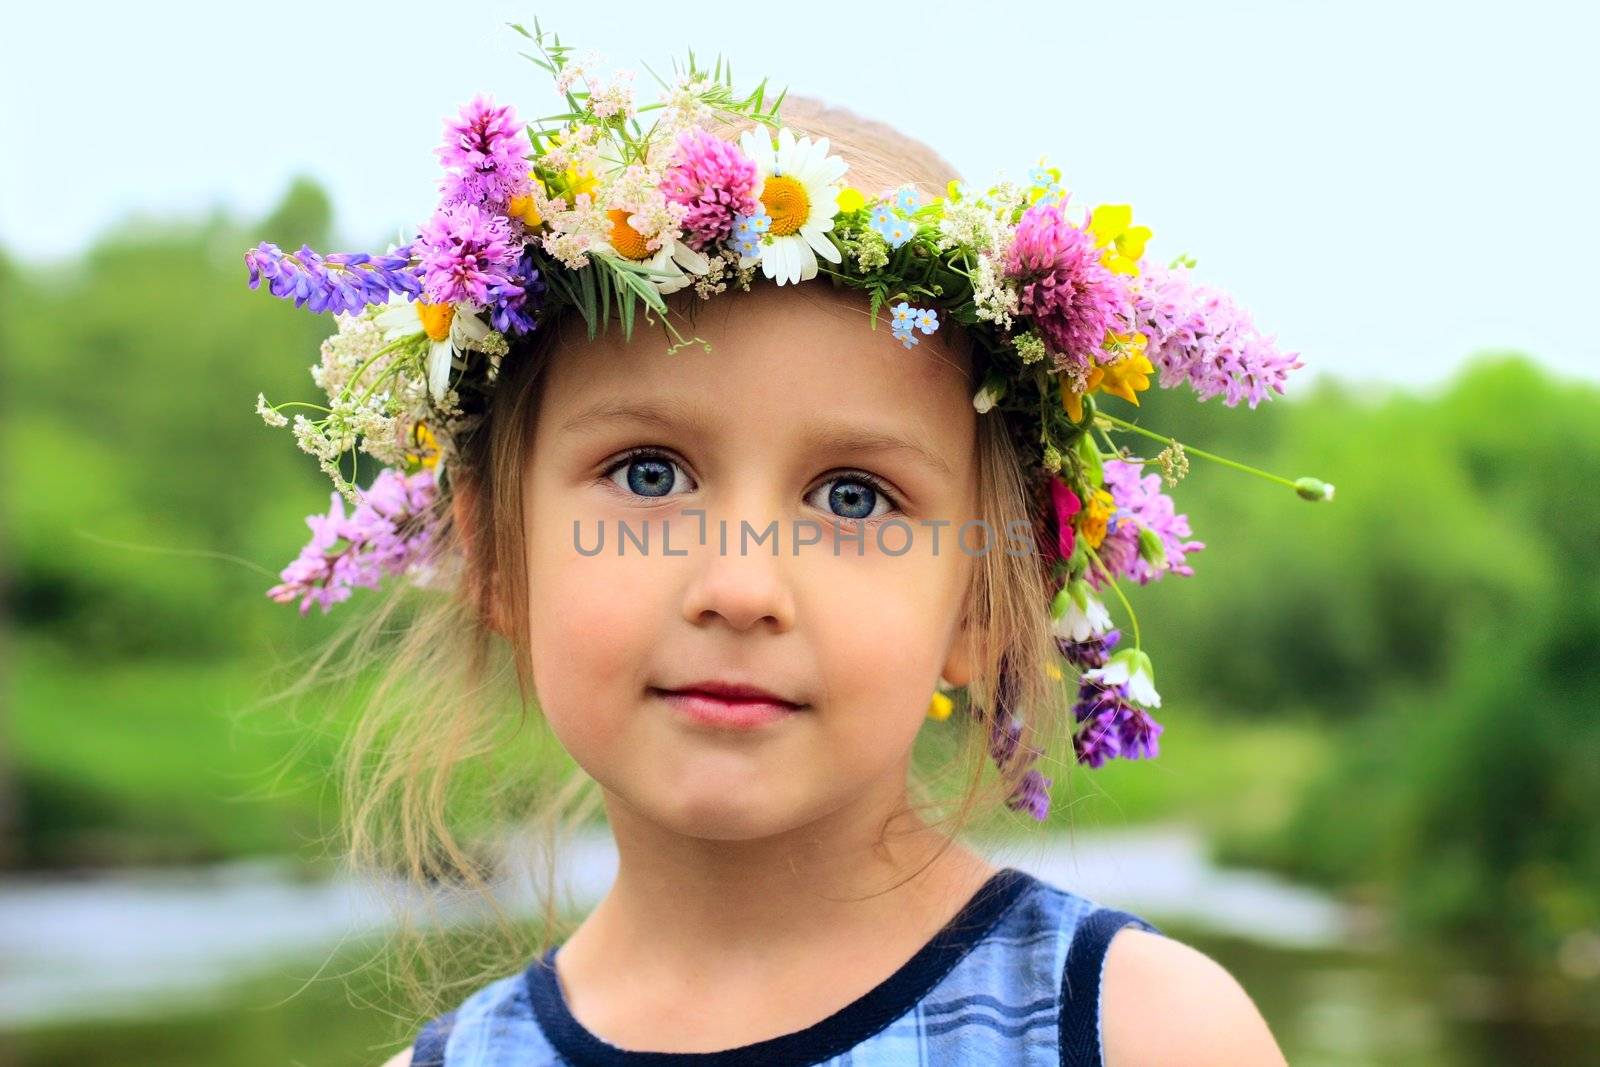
1080	984
428	1049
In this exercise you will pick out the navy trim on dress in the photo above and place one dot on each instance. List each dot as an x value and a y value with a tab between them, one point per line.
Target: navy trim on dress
844	1029
1080	985
428	1049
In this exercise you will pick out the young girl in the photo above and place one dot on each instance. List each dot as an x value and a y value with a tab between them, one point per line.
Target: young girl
729	577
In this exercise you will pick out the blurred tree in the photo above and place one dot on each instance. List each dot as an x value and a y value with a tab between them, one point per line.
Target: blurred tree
1475	799
303	216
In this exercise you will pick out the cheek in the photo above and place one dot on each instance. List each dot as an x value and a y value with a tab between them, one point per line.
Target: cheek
591	630
884	641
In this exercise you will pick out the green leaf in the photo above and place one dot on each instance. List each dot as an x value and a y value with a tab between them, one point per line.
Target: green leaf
537	61
588	304
654	75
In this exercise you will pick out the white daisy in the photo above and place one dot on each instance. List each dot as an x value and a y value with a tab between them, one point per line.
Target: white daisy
450	328
674	257
800	186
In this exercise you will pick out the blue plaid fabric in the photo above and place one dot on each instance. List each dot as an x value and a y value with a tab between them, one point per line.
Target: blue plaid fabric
1012	981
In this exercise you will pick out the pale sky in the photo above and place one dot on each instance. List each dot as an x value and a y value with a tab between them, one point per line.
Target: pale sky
1389	186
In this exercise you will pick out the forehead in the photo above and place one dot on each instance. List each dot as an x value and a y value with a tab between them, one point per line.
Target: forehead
779	356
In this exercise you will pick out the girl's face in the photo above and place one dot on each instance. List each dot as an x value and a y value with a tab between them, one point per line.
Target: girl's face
801	416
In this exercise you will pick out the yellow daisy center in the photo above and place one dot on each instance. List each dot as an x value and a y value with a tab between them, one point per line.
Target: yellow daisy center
436	319
628	242
786	201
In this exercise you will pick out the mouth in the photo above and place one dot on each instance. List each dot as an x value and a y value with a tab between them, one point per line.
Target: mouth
728	705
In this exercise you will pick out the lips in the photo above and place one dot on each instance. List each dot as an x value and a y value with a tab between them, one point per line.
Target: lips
734	691
729	705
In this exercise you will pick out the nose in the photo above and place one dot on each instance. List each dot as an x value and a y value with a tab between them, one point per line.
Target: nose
745	584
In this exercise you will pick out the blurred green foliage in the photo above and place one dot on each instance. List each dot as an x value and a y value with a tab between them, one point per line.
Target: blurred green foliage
1395	690
1441	617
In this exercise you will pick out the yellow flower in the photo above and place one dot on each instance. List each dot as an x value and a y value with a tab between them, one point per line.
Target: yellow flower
939	707
1073	402
1123	243
523	207
1128	376
576	182
573	181
850	199
1095	516
424	446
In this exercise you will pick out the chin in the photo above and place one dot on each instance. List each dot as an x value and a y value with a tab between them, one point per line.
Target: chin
723	807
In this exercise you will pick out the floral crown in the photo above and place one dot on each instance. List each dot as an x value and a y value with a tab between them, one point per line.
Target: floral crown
591	210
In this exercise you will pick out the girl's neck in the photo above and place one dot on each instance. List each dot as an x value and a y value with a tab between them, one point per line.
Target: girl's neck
806	920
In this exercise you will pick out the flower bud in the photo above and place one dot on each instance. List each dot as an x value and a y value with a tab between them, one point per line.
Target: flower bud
1313	489
1062	601
994	388
1089	453
1151	548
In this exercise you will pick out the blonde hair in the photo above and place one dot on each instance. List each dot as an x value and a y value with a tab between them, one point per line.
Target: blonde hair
438	760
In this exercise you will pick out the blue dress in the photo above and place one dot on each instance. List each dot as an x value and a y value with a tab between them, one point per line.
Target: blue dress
1013	980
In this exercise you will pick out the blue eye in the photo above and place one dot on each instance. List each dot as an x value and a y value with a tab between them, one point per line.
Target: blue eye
854	497
647	474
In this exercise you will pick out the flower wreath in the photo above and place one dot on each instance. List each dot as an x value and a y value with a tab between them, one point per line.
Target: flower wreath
590	210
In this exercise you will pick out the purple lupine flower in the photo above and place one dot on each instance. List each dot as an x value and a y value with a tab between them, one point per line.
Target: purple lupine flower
1096	741
1096	699
1005	735
1031	795
514	304
1200	334
464	252
1089	654
339	281
485	156
1141	504
1139	733
386	534
1112	726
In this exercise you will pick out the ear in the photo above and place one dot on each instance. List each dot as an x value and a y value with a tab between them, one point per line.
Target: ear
957	670
465	513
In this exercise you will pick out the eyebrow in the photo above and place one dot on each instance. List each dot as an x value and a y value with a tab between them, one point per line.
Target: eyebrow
824	433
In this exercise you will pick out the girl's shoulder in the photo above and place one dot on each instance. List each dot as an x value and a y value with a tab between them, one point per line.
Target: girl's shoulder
1015	978
1165	1002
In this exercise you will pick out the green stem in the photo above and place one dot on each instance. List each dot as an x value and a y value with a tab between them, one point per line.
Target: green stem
398	342
1117	588
1111	449
1126	425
